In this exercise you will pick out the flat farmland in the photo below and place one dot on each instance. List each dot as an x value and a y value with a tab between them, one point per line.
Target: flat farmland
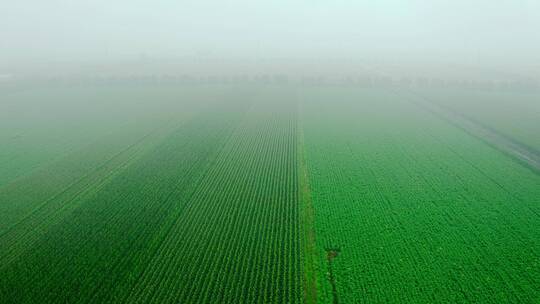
514	113
410	209
252	193
203	210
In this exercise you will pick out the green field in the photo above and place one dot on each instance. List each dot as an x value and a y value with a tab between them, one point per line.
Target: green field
513	113
263	194
420	211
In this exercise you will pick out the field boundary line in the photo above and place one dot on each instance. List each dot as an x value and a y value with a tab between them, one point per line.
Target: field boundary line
307	217
522	153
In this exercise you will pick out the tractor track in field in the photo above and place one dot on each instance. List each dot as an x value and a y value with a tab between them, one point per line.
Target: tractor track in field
522	153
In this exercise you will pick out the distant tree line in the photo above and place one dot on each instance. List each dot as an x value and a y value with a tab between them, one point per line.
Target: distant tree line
283	79
420	82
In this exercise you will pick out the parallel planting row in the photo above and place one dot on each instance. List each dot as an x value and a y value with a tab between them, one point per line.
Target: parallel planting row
224	194
206	212
101	244
236	241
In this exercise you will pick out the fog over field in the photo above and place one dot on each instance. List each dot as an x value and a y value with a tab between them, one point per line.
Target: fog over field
497	36
247	151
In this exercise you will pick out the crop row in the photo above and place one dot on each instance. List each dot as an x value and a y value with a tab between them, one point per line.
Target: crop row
68	182
237	239
107	239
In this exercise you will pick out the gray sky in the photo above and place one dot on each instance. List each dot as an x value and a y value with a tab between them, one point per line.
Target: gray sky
477	31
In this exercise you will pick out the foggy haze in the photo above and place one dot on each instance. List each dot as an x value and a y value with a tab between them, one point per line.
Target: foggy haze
471	33
269	151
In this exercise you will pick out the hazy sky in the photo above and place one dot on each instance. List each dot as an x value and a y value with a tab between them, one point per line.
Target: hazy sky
99	30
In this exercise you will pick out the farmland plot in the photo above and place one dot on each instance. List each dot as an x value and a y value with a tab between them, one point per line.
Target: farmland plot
206	212
43	125
237	240
258	194
31	203
408	208
110	235
513	113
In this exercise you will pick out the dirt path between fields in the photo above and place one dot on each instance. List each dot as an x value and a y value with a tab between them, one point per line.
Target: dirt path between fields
522	153
307	219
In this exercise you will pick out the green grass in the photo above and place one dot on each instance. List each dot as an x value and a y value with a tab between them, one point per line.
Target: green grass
257	194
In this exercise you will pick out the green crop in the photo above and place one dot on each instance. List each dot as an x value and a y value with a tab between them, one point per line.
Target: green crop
261	194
